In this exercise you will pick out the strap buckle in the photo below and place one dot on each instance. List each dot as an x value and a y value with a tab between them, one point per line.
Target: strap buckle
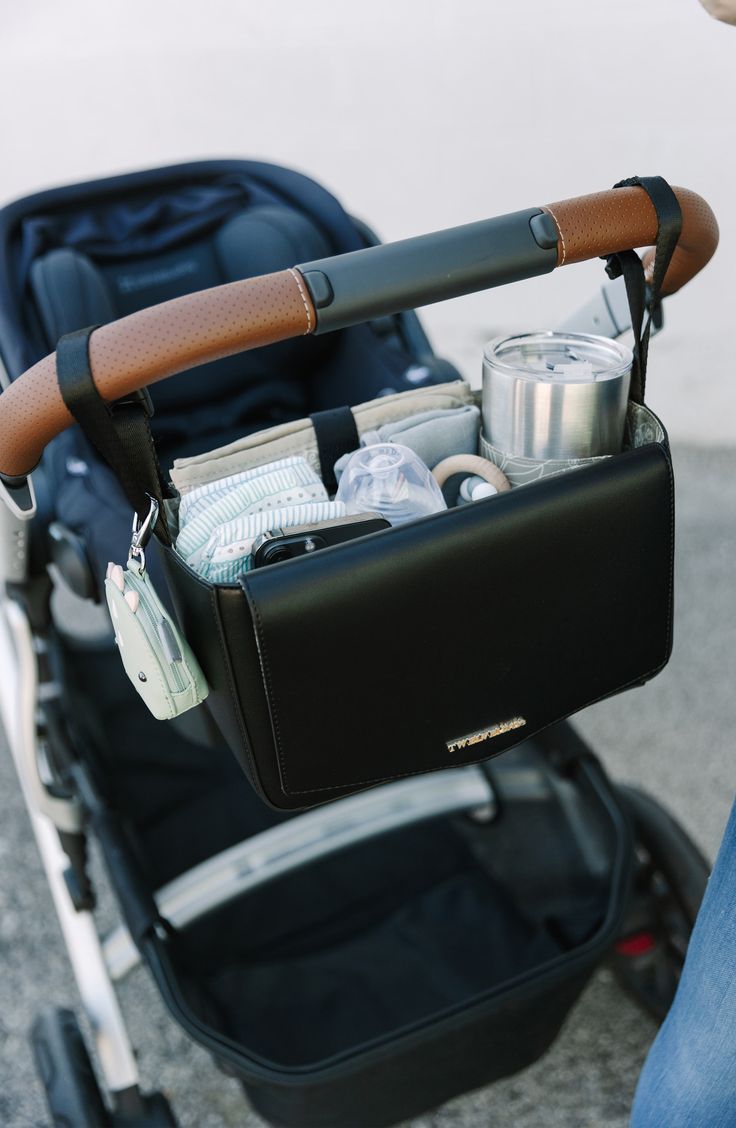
141	533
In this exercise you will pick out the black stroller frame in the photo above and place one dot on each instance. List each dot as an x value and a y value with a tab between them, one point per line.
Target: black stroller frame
488	814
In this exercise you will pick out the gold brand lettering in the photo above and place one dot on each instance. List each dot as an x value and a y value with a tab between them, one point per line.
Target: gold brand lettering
485	734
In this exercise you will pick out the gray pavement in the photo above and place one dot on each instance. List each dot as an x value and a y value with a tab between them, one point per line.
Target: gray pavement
674	737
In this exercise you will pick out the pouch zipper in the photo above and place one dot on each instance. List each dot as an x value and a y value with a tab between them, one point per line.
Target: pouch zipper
170	671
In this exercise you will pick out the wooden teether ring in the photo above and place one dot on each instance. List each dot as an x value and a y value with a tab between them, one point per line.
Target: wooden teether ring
470	464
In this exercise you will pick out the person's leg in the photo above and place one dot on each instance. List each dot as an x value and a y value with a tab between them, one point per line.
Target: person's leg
689	1077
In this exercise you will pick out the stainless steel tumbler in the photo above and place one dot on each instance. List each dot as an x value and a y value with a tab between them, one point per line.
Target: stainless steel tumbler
555	395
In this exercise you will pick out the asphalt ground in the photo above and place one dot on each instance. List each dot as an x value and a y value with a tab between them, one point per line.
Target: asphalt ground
673	737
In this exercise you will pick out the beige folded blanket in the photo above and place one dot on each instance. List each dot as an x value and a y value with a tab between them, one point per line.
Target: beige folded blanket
298	438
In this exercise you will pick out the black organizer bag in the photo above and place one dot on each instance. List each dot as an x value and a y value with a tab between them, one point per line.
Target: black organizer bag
450	639
378	658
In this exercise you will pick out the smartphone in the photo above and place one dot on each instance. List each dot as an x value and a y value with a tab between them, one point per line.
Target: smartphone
285	544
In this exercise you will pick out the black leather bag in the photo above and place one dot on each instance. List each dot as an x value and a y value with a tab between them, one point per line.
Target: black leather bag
444	641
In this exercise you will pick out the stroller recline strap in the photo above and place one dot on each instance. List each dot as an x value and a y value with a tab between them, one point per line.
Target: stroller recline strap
337	434
120	432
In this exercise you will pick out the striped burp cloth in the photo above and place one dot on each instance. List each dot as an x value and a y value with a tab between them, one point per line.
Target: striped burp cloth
227	552
270	485
219	520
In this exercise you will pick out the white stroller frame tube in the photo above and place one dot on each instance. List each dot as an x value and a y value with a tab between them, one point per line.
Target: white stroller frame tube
88	964
14	525
18	698
19	691
14	530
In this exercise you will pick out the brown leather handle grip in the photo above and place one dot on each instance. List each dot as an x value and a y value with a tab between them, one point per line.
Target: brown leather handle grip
150	345
605	222
166	339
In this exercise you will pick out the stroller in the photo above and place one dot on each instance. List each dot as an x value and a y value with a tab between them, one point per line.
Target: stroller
339	1002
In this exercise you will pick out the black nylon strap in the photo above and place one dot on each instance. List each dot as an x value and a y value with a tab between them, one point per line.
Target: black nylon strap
73	372
120	432
337	434
628	264
643	301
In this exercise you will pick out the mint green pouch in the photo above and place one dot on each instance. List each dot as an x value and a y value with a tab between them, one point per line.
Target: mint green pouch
158	661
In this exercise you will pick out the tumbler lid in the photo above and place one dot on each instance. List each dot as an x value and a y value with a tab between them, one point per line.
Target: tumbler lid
567	358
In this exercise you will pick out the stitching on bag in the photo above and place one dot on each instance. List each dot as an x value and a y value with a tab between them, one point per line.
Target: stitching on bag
231	685
154	455
212	591
670	594
296	278
548	209
266	671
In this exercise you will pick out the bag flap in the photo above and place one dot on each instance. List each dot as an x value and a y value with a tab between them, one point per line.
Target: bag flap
445	641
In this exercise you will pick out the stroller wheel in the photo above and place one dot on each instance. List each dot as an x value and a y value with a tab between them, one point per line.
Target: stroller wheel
670	877
66	1072
72	1093
149	1110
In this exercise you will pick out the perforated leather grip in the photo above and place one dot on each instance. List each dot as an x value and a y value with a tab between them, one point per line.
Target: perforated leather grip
177	335
606	222
150	345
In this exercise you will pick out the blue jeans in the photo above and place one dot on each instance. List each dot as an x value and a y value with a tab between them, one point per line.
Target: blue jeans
689	1077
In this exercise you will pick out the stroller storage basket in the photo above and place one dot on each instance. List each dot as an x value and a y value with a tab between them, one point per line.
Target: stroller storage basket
343	1003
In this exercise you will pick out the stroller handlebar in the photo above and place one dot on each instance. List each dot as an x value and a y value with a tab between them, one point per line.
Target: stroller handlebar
598	225
166	339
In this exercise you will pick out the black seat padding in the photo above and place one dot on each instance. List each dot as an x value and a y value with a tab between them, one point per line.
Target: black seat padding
69	293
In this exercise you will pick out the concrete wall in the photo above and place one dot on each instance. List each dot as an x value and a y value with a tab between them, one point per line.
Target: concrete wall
419	114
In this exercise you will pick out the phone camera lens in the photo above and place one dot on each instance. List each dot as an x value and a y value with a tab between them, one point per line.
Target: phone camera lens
279	554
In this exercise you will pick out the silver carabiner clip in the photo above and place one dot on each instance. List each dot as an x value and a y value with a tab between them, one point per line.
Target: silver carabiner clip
141	533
